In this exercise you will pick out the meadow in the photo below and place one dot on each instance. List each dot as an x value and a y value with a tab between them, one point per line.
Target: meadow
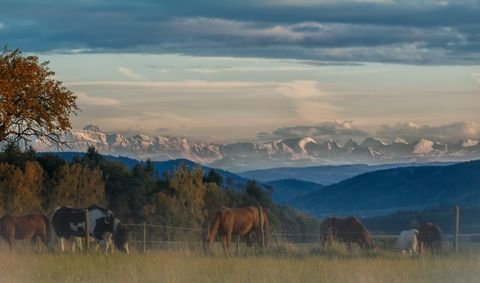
281	264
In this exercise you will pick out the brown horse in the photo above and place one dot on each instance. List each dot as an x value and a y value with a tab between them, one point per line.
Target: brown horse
429	237
229	222
349	230
25	227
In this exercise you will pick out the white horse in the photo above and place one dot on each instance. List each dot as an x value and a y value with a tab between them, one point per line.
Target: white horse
407	241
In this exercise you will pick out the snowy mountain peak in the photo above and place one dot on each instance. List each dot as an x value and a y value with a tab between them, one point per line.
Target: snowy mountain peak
300	151
423	146
303	142
92	128
373	142
400	141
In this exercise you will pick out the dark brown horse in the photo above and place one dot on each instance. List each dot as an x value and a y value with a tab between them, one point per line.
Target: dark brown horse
229	222
429	237
349	230
25	227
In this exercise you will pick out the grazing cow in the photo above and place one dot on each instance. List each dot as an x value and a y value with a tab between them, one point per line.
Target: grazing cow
407	241
70	223
78	242
229	222
429	237
349	230
25	227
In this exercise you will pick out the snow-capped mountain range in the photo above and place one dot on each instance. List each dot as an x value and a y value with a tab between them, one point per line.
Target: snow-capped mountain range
279	153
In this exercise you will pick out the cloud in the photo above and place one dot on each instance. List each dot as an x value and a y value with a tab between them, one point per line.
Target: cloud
404	31
180	85
310	102
476	76
447	132
339	130
249	69
343	130
86	99
130	74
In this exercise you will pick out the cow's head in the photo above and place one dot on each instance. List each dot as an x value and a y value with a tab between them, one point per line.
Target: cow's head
121	236
109	217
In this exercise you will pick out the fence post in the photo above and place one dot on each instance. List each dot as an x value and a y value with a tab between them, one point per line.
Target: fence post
144	236
262	232
457	228
87	232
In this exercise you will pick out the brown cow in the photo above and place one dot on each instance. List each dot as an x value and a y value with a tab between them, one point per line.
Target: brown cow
229	222
429	237
349	230
25	227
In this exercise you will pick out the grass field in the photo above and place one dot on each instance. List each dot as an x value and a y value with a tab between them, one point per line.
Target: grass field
279	265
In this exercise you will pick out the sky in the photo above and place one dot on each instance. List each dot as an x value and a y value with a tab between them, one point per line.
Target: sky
235	70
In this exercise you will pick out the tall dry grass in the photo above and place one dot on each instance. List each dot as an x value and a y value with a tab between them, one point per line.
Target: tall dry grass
280	264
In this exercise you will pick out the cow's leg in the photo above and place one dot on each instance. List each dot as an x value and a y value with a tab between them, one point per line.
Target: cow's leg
77	241
108	243
62	244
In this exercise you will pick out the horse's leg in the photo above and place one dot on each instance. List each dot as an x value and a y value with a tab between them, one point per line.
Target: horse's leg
229	239
349	246
11	239
43	238
35	241
224	243
237	245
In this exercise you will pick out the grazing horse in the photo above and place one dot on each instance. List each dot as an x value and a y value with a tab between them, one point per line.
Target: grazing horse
25	227
429	237
407	241
349	230
102	224
229	222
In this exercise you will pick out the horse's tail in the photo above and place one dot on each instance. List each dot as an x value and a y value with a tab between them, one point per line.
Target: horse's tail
266	229
213	227
48	232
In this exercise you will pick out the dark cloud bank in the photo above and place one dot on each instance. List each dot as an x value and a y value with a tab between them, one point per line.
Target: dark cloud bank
430	32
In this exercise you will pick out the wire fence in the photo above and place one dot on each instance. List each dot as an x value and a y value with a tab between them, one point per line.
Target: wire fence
146	237
150	237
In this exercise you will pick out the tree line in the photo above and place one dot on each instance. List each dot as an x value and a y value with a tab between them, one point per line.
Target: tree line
33	182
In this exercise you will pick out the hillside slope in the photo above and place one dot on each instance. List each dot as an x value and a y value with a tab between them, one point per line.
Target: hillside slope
389	190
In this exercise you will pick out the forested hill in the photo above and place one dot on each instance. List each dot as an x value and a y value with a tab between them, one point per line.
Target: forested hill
389	190
162	167
137	193
285	190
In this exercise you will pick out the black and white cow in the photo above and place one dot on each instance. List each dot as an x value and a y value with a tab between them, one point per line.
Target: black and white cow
69	223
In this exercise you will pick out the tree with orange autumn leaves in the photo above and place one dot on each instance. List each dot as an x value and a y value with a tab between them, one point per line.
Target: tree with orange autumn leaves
32	103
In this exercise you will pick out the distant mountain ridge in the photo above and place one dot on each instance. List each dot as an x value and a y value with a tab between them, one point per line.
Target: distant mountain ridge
325	174
286	190
389	190
294	152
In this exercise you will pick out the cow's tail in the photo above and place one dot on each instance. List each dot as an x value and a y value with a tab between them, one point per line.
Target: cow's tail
48	231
